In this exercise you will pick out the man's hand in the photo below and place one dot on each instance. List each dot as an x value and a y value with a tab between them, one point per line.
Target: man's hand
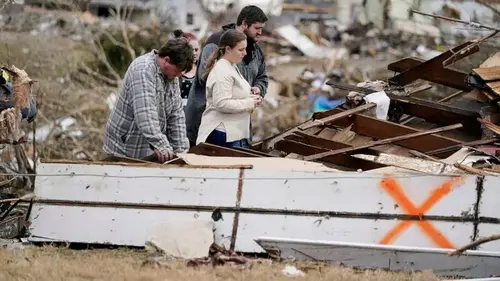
164	156
256	91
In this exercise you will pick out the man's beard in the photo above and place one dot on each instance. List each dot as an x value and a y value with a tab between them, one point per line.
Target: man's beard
249	38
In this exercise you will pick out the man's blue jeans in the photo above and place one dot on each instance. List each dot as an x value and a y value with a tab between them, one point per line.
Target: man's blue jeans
219	138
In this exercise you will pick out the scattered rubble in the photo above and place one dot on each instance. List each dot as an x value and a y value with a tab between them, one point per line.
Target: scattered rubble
321	106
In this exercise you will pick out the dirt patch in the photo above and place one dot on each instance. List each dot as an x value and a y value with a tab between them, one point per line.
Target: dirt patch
63	264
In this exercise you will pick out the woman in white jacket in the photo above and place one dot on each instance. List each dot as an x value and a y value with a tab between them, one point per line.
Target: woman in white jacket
230	102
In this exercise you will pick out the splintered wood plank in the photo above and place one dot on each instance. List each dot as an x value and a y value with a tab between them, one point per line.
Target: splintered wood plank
380	129
347	161
444	76
495	87
488	73
380	142
433	66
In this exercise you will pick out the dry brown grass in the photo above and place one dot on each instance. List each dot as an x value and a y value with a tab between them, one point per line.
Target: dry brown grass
63	264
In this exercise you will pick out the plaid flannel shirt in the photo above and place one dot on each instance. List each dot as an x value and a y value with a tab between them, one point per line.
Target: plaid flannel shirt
148	112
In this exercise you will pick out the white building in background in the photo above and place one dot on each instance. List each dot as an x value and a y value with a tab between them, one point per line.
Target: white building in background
467	10
270	7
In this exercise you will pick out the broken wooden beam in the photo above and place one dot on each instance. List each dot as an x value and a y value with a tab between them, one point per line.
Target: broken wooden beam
381	142
343	160
444	76
380	129
340	115
432	67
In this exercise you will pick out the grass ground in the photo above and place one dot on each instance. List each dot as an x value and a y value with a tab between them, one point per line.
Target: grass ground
54	264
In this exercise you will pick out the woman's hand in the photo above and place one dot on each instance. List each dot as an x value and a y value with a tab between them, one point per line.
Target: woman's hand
257	100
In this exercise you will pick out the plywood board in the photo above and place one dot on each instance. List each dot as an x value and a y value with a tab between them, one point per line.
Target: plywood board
488	73
495	87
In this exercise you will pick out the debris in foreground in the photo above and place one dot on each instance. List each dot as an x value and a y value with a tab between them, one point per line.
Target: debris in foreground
476	264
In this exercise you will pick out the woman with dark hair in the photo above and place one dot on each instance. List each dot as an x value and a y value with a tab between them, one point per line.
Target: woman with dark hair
230	101
186	80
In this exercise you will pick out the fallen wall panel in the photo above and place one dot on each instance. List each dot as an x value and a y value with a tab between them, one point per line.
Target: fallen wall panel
114	203
476	264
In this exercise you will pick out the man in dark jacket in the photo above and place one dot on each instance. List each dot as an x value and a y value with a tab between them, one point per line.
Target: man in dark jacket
251	21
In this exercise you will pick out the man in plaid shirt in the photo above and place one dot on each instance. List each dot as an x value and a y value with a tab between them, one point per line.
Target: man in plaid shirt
148	116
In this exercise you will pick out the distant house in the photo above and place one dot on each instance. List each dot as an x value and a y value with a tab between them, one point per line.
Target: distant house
187	15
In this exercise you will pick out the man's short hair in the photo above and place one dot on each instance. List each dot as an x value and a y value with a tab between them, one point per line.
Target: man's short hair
250	15
179	51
